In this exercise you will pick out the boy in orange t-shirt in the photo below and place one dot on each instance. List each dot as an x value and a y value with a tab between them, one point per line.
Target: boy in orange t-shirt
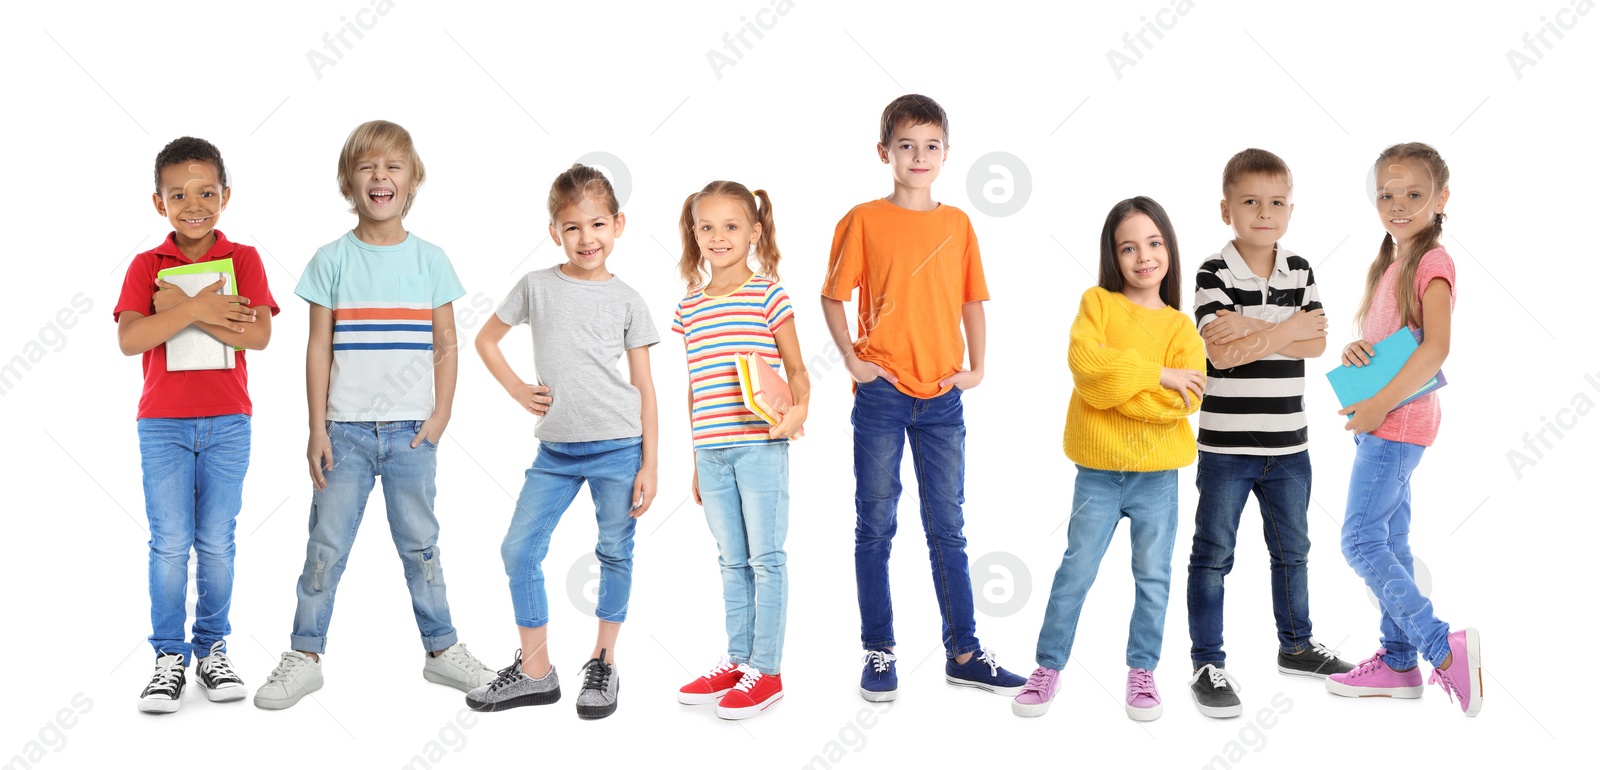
916	263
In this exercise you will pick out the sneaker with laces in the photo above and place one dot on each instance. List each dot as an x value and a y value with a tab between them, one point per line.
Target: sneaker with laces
1216	692
512	688
878	680
1463	680
1036	695
164	693
1144	700
598	696
752	695
458	668
710	687
215	675
1372	678
296	676
1315	660
983	672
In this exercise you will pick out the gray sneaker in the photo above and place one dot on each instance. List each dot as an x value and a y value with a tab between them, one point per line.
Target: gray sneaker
512	688
296	676
1216	692
1313	660
458	668
598	698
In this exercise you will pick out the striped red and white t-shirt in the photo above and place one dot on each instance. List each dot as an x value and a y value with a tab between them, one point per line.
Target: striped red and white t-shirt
715	329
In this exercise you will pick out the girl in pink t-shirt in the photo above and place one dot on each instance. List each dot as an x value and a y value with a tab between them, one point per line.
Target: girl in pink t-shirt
1410	284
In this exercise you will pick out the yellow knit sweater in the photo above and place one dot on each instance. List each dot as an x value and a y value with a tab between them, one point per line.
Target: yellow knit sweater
1120	417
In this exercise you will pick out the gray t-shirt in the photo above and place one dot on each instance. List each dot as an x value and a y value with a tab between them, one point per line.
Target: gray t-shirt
580	329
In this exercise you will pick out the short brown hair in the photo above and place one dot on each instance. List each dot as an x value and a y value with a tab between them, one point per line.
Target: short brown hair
915	109
1254	161
577	184
378	136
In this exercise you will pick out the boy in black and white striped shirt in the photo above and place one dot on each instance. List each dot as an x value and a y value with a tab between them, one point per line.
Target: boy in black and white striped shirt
1257	308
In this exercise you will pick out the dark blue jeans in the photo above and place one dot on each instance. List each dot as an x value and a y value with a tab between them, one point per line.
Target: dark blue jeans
1282	486
884	418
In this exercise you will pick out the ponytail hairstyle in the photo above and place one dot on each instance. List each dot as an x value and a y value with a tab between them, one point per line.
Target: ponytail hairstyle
758	207
1405	295
578	184
1111	273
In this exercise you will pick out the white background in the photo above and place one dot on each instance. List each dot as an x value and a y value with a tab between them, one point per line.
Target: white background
500	100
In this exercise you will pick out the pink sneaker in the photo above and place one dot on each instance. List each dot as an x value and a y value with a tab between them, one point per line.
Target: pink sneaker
1463	680
1144	700
1372	678
1036	695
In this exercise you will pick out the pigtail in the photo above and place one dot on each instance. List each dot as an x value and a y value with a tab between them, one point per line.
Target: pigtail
767	255
689	264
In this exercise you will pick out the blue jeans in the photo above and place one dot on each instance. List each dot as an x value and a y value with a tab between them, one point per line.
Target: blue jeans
1282	487
1101	499
884	418
363	451
745	491
558	471
1376	541
193	489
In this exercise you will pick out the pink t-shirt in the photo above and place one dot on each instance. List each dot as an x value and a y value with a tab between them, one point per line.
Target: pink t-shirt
1416	422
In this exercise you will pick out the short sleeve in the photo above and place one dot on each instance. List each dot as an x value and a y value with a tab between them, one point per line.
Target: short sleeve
1210	292
641	331
975	288
677	318
845	259
252	277
1311	300
516	306
776	307
446	286
318	279
1436	264
138	288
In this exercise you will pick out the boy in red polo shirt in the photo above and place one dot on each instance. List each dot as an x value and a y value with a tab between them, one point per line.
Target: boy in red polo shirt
194	426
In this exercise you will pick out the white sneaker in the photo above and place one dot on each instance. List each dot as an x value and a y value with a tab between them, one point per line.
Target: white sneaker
296	676
457	668
165	691
214	674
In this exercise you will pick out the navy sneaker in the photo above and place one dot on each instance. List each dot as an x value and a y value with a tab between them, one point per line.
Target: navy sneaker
983	672
878	680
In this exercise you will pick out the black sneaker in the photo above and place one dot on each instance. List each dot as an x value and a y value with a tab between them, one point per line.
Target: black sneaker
1315	660
598	697
214	673
165	691
1216	692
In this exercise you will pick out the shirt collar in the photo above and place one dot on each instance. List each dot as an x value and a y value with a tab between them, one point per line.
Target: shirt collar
222	248
1236	263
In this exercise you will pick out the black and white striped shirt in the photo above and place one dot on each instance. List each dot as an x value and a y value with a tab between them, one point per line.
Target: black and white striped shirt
1257	408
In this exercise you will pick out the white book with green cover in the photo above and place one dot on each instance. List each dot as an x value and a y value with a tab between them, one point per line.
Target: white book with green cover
193	349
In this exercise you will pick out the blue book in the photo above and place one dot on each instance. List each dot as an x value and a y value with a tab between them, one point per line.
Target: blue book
1354	384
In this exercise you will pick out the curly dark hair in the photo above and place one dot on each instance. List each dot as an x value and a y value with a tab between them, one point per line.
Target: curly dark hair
186	149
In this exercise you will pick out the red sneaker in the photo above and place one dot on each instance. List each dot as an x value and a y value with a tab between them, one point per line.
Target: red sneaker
711	687
752	695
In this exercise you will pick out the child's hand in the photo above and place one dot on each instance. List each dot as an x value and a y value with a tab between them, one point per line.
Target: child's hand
319	453
225	310
1368	416
1227	327
1358	353
866	371
791	426
1184	381
432	429
644	490
168	296
964	380
694	487
1308	324
534	398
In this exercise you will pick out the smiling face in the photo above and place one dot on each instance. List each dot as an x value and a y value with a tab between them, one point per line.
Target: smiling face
381	185
915	153
1258	207
1407	198
724	232
192	198
586	230
1141	257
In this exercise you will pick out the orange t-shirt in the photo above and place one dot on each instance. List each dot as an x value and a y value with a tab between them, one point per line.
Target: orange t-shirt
915	270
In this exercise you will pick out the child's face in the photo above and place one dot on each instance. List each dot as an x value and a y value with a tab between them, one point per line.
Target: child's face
723	229
191	198
382	185
915	153
586	231
1407	197
1258	208
1141	253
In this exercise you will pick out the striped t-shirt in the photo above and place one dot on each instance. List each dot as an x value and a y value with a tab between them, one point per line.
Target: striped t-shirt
382	298
715	329
1257	408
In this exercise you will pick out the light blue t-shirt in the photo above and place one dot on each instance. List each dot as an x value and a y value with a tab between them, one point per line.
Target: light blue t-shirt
382	298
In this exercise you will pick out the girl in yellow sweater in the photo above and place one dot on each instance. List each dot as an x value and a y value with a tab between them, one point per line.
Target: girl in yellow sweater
1138	373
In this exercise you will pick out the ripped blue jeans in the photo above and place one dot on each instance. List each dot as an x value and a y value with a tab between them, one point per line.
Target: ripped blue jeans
362	453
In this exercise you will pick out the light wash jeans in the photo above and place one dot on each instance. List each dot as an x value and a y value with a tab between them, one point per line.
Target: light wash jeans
745	491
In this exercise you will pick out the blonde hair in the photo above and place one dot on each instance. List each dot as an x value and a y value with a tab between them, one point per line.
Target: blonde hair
691	266
1405	294
577	184
378	136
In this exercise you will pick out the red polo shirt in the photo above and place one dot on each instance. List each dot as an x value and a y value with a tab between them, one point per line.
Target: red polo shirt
199	393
